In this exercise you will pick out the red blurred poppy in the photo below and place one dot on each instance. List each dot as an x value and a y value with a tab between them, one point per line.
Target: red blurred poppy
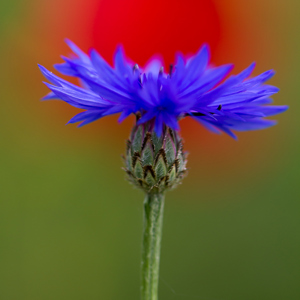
153	26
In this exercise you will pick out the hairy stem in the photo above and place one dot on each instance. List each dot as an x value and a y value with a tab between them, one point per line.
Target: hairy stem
153	220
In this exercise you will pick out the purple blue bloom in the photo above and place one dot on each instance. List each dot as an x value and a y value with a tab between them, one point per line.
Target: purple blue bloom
191	88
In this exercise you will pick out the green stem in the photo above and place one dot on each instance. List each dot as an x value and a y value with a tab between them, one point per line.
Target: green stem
153	220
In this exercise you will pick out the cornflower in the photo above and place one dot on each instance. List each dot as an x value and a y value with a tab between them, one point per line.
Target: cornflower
155	160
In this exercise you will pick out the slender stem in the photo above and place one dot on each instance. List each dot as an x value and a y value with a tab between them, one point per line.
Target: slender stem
153	220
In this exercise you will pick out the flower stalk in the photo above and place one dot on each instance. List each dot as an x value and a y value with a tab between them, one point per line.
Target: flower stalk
152	232
153	164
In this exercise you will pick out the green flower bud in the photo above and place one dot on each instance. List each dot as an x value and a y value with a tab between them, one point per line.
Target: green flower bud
154	164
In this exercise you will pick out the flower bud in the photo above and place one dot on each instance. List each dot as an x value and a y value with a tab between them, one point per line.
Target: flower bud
154	164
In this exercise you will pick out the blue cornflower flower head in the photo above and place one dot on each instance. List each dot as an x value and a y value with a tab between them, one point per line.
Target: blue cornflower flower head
191	88
155	160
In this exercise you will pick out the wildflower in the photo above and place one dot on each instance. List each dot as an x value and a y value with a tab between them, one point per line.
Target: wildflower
155	160
192	88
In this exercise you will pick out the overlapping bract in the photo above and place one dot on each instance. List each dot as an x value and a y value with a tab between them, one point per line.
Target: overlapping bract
155	164
192	88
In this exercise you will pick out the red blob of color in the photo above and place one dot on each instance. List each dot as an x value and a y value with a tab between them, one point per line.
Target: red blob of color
151	27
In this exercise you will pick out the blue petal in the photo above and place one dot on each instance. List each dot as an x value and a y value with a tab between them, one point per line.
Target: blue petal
179	69
85	115
147	117
49	96
108	92
272	110
153	65
120	63
158	125
221	127
63	83
171	121
49	75
77	51
210	79
207	125
90	120
254	124
81	98
195	67
261	78
124	115
65	69
246	73
65	98
105	71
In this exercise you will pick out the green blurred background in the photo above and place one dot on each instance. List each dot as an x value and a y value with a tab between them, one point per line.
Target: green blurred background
70	225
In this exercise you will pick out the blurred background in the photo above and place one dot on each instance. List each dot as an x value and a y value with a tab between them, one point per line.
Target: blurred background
70	225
